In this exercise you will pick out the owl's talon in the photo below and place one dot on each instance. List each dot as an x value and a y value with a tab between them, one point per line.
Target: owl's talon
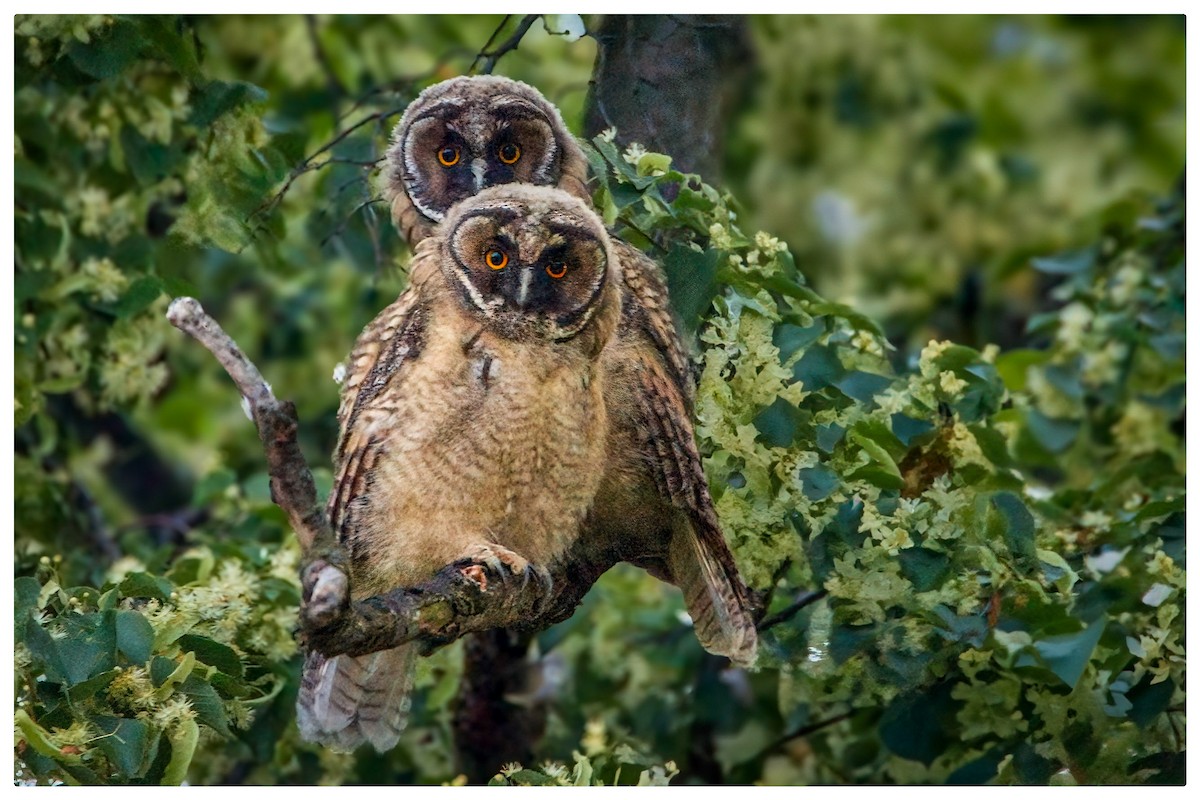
503	565
476	573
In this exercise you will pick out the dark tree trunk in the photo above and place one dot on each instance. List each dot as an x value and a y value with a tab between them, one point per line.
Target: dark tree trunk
669	83
489	729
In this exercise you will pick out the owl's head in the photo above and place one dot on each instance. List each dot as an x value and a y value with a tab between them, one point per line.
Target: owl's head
463	135
534	262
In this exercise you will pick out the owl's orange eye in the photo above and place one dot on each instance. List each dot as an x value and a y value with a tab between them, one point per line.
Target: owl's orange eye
557	270
496	259
509	153
448	156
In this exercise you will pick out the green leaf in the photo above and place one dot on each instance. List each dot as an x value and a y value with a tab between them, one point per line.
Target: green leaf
25	599
213	653
143	584
1068	263
183	749
166	674
82	691
34	735
818	368
780	423
175	46
130	744
218	97
1016	529
140	294
863	386
89	646
1067	655
1149	700
906	428
920	726
790	338
691	282
818	482
1013	366
924	569
110	52
876	451
207	703
829	435
149	161
135	636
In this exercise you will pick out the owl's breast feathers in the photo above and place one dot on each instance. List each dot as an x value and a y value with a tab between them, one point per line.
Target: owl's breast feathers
454	436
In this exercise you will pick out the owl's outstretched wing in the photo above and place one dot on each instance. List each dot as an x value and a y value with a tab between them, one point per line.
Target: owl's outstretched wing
647	307
698	558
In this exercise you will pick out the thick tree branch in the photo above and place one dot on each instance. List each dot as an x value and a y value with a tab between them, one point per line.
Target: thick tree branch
292	486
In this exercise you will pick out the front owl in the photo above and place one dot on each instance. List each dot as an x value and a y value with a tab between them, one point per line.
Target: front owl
473	425
534	263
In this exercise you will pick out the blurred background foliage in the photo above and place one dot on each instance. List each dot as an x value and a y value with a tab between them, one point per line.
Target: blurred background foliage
937	303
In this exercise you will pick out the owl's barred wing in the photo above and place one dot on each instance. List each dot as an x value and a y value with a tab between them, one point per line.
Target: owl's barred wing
345	701
394	337
648	307
698	557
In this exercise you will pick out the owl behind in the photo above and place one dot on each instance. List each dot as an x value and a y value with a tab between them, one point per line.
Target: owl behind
465	134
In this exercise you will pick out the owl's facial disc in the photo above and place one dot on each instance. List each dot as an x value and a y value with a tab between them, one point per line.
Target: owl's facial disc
453	150
539	272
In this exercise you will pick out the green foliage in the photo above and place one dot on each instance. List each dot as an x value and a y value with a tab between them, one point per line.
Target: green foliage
998	533
915	163
981	604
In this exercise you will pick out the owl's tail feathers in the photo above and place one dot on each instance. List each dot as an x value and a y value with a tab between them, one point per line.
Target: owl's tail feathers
715	597
347	701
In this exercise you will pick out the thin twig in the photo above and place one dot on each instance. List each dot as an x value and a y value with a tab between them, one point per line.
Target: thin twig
806	599
490	57
479	56
309	164
407	83
341	226
808	730
769	594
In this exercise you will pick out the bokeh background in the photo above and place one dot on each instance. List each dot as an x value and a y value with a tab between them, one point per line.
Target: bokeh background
917	168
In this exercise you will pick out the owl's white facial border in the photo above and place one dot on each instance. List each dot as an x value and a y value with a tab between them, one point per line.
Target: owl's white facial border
504	212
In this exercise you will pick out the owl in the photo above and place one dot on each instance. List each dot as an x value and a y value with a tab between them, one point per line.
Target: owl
653	508
472	425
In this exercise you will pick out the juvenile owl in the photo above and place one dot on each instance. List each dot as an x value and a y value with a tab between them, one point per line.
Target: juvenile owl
472	425
654	508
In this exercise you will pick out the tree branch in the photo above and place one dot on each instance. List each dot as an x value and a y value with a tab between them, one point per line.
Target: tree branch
806	599
292	486
310	164
490	57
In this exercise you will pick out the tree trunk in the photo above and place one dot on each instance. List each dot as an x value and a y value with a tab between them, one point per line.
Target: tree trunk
669	83
489	729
